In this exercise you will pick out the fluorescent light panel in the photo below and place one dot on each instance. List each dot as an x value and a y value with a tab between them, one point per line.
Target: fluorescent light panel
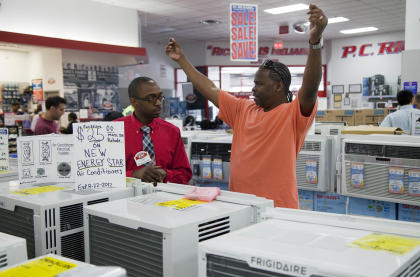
359	30
288	9
337	20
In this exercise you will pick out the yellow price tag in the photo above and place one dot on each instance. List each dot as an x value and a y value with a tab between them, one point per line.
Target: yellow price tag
37	190
180	204
391	243
4	171
43	267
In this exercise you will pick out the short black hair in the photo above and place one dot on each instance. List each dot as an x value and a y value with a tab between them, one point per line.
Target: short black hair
404	97
111	116
136	83
72	116
54	101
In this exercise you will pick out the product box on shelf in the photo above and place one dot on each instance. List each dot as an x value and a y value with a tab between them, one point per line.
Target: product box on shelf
306	199
408	213
369	207
330	202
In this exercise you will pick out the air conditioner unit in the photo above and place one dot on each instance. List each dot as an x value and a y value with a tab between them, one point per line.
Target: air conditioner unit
9	175
305	243
382	167
213	146
158	234
315	169
186	137
58	266
329	128
12	250
50	218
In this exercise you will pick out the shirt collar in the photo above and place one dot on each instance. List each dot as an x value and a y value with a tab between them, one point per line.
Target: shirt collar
406	107
138	124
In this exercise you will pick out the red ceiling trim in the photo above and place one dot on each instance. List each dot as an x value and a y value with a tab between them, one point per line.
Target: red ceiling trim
70	44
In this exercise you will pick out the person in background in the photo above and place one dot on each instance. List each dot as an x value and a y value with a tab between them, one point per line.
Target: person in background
268	132
402	117
46	122
111	116
417	101
154	151
72	117
35	117
15	109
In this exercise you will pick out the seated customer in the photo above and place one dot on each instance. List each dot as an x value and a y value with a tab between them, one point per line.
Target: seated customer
46	122
154	151
402	117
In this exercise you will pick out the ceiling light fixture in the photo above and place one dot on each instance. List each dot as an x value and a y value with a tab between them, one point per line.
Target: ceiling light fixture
337	20
288	9
359	30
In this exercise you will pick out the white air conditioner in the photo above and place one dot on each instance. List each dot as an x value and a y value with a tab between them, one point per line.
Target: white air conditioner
9	175
315	169
58	266
305	243
382	167
186	137
154	240
12	250
329	128
50	218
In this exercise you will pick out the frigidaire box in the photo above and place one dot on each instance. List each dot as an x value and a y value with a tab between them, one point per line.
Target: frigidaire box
330	202
369	207
306	199
408	213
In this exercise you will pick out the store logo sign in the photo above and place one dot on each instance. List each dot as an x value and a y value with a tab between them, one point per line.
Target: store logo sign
262	51
368	49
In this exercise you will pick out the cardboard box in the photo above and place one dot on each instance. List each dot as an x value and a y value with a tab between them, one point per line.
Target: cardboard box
330	202
408	213
306	200
324	116
367	130
369	207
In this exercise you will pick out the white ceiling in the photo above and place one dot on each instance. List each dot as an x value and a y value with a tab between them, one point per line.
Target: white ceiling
185	16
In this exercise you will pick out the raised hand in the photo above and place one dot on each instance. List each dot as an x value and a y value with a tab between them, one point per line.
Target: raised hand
173	50
318	22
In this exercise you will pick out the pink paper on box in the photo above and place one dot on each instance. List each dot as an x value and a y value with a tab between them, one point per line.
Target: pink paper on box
203	194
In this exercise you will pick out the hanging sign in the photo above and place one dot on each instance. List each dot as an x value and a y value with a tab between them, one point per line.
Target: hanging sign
243	32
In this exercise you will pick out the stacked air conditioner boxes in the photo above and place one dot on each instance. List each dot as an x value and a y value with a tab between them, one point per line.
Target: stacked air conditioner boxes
158	234
382	170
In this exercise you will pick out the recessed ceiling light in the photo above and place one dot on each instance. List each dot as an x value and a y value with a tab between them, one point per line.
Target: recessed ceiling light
337	20
210	21
288	9
359	30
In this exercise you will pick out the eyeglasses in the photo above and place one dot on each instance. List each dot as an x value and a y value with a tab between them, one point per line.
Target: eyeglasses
151	98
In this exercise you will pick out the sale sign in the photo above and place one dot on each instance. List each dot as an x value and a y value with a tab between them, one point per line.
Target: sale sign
243	32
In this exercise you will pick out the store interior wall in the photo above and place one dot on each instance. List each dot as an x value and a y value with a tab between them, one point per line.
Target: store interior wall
352	68
95	22
11	64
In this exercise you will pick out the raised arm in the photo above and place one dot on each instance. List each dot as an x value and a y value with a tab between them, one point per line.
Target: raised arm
204	85
313	70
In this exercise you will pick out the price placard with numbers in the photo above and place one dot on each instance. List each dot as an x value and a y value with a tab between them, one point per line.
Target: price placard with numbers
99	156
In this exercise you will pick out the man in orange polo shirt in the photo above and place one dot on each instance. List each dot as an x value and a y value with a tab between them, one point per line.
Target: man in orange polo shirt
268	132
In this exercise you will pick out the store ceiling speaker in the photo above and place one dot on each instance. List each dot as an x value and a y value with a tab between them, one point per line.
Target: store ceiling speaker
301	27
298	243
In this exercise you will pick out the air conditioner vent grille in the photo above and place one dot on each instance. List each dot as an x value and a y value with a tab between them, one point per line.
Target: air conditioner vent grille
311	146
20	223
73	246
71	217
3	260
214	149
301	171
139	251
97	201
214	228
411	270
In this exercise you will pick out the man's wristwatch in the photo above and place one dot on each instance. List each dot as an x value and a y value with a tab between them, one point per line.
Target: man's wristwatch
317	45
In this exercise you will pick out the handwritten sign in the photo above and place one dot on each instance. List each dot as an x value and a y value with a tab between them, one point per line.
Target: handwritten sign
4	149
45	158
243	32
99	155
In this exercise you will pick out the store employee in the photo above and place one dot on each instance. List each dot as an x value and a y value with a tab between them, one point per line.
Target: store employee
268	132
154	151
